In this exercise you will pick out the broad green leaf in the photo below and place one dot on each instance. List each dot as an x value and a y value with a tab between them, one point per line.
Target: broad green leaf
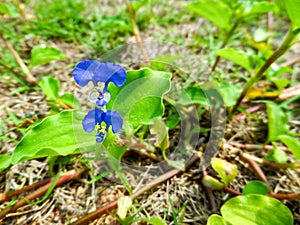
70	100
193	95
162	61
235	56
292	143
50	87
259	7
4	161
45	54
277	121
230	93
124	205
153	221
61	134
140	101
216	220
227	171
256	210
9	9
212	183
215	11
276	155
256	187
292	7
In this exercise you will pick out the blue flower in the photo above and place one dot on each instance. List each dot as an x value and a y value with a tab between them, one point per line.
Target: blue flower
101	74
100	121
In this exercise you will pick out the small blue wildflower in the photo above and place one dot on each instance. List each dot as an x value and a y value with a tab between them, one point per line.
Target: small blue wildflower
101	74
100	121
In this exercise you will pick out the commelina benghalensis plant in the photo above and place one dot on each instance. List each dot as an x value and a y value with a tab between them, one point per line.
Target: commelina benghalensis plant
101	74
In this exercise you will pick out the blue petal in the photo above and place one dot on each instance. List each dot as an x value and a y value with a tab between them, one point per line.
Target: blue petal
91	119
110	72
84	72
114	119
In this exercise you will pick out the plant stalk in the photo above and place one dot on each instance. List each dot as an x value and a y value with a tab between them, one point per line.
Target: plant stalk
228	36
288	41
29	77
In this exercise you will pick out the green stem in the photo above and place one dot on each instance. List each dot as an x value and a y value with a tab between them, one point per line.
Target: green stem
284	47
228	36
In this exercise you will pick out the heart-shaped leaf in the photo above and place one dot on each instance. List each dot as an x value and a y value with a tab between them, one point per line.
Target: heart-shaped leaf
256	210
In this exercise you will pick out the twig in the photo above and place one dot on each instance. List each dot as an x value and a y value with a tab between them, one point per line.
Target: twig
249	110
282	165
5	197
291	61
231	191
12	70
290	92
63	179
136	32
228	36
257	170
209	193
279	196
29	77
287	196
113	205
257	147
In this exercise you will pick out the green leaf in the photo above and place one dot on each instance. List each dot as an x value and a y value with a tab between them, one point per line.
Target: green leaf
8	9
276	155
235	56
292	7
4	161
153	221
256	187
41	55
162	61
50	86
277	121
61	134
230	93
212	183
193	95
215	11
70	100
227	171
292	143
216	220
255	7
256	210
140	101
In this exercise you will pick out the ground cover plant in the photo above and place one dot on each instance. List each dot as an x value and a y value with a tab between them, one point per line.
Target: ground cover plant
150	112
